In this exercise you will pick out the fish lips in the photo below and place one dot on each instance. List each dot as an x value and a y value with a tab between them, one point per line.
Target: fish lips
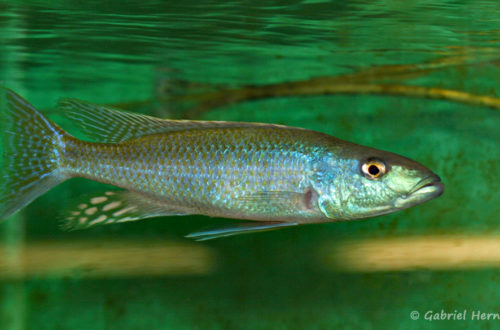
426	189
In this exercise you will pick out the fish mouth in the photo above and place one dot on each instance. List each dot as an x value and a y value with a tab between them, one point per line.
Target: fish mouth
426	189
429	185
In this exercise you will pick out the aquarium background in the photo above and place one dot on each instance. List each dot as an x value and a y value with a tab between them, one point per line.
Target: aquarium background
142	55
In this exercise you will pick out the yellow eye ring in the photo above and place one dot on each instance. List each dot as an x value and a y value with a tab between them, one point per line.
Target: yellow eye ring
373	169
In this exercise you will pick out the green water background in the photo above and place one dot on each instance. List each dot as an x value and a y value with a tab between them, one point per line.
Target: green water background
109	52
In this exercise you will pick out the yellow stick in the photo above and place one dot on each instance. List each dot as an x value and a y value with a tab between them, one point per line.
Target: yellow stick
108	259
432	252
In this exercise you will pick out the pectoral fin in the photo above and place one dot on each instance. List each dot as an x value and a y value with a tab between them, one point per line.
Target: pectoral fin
277	202
238	229
112	207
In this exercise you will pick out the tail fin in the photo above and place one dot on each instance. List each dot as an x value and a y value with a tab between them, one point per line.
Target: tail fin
30	149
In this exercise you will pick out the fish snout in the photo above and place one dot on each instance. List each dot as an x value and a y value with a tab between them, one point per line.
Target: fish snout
428	188
431	184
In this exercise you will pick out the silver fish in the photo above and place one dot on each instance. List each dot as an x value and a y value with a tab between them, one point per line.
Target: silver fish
276	175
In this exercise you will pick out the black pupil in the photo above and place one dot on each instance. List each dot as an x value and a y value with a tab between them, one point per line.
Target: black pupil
373	170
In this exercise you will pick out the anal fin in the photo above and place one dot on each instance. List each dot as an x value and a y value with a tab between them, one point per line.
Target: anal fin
113	207
238	229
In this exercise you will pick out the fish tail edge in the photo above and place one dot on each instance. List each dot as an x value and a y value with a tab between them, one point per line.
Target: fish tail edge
31	150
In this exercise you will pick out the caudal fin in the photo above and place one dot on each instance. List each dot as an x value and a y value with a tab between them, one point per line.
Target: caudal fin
30	150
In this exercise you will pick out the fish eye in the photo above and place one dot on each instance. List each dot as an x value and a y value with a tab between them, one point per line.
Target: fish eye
373	169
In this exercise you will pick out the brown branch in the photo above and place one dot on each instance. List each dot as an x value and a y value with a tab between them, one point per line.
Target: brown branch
231	96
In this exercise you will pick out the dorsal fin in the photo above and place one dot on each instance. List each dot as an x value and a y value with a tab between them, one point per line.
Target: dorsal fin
110	125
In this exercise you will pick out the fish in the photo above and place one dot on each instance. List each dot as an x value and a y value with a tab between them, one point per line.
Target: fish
272	175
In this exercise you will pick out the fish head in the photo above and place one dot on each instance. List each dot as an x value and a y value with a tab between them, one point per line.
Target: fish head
366	182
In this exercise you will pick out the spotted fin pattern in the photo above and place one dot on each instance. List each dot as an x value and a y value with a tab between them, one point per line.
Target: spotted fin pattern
113	207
